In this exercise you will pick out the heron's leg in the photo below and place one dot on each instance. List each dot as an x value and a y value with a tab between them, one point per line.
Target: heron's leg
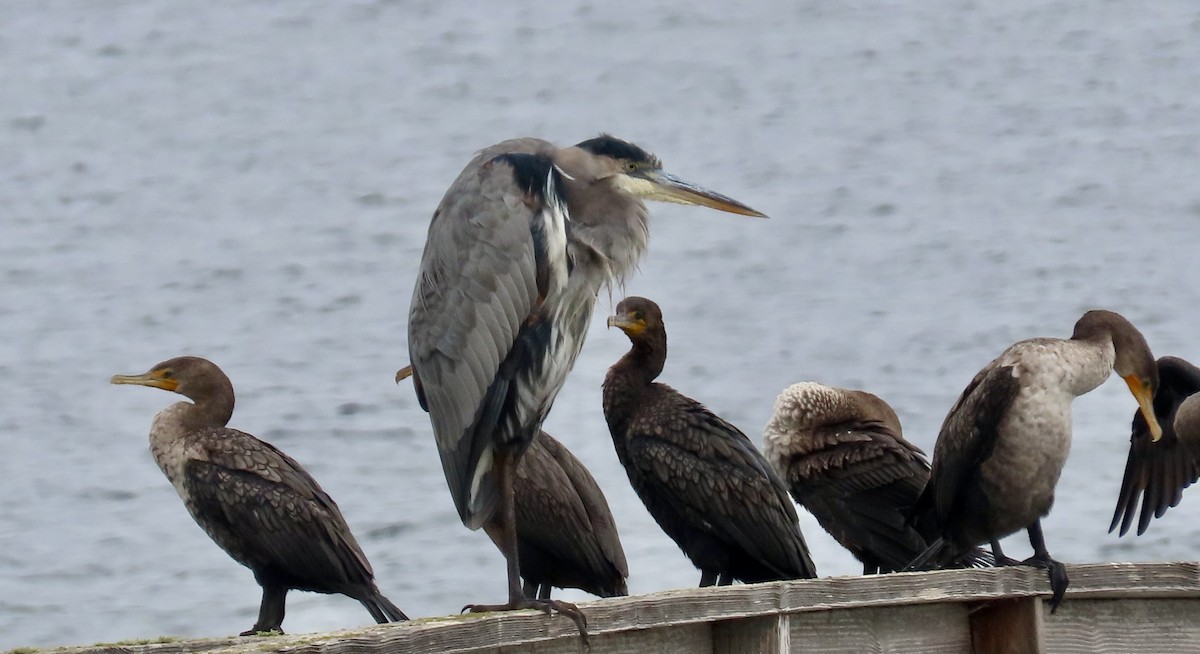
708	578
1054	569
998	554
544	591
270	611
505	466
529	588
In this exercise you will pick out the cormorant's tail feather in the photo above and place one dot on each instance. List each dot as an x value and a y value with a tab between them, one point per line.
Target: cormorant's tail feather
383	610
977	558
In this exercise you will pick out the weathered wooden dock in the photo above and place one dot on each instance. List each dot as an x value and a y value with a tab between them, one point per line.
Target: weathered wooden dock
1112	607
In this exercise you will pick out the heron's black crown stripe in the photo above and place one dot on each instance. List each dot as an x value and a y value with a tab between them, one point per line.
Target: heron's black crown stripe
611	146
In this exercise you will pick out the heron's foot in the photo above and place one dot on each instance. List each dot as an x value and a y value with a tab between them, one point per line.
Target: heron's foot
544	605
1058	577
262	631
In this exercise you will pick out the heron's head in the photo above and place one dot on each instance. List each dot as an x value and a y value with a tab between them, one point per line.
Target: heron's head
1132	359
639	173
191	377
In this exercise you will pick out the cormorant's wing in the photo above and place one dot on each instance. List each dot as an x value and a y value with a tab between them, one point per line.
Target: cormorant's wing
860	483
708	472
1157	473
967	439
595	505
477	335
262	508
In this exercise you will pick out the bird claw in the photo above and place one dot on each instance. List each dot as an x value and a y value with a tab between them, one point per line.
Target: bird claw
546	606
1057	572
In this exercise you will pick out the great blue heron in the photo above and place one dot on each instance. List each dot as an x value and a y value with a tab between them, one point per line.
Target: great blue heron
699	476
1160	471
516	253
256	502
1003	445
843	455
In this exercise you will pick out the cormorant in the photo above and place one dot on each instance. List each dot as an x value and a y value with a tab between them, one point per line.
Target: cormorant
700	477
844	457
254	501
1003	445
1160	471
566	535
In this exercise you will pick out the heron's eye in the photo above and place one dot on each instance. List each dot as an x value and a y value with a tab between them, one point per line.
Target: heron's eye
631	166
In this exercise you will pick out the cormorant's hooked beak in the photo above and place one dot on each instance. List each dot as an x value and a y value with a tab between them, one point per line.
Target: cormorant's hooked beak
403	373
1145	399
653	184
154	379
627	323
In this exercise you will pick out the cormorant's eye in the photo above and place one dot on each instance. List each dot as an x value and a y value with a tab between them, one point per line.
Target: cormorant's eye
638	315
167	374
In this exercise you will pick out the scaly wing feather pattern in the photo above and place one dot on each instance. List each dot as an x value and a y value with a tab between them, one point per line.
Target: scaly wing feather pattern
267	512
860	484
708	472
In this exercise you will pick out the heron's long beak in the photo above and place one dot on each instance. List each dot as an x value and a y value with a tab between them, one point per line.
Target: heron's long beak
153	379
665	187
1145	397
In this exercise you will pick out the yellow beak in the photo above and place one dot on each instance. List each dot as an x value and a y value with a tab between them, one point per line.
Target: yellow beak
1145	401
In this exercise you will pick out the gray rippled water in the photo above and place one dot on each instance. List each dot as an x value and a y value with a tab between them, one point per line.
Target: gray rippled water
251	182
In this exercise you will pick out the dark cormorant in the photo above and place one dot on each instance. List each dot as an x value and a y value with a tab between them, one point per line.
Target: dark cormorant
566	536
254	501
1003	445
700	477
1159	472
845	459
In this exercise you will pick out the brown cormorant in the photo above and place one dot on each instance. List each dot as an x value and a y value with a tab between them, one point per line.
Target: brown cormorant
1003	445
254	501
566	535
1159	472
700	477
844	457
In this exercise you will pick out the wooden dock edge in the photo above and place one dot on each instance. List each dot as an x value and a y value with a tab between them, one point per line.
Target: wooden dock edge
1110	607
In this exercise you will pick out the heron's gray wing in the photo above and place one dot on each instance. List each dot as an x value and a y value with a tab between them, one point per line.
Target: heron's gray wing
967	439
708	472
1157	473
479	290
262	508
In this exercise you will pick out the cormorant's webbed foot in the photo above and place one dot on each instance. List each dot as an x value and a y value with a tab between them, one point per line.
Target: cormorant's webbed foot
1058	577
1055	570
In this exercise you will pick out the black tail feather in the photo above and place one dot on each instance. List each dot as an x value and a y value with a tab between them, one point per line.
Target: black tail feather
383	610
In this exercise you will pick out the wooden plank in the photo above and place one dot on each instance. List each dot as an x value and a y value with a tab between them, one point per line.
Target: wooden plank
765	635
1008	626
1112	626
918	629
700	606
